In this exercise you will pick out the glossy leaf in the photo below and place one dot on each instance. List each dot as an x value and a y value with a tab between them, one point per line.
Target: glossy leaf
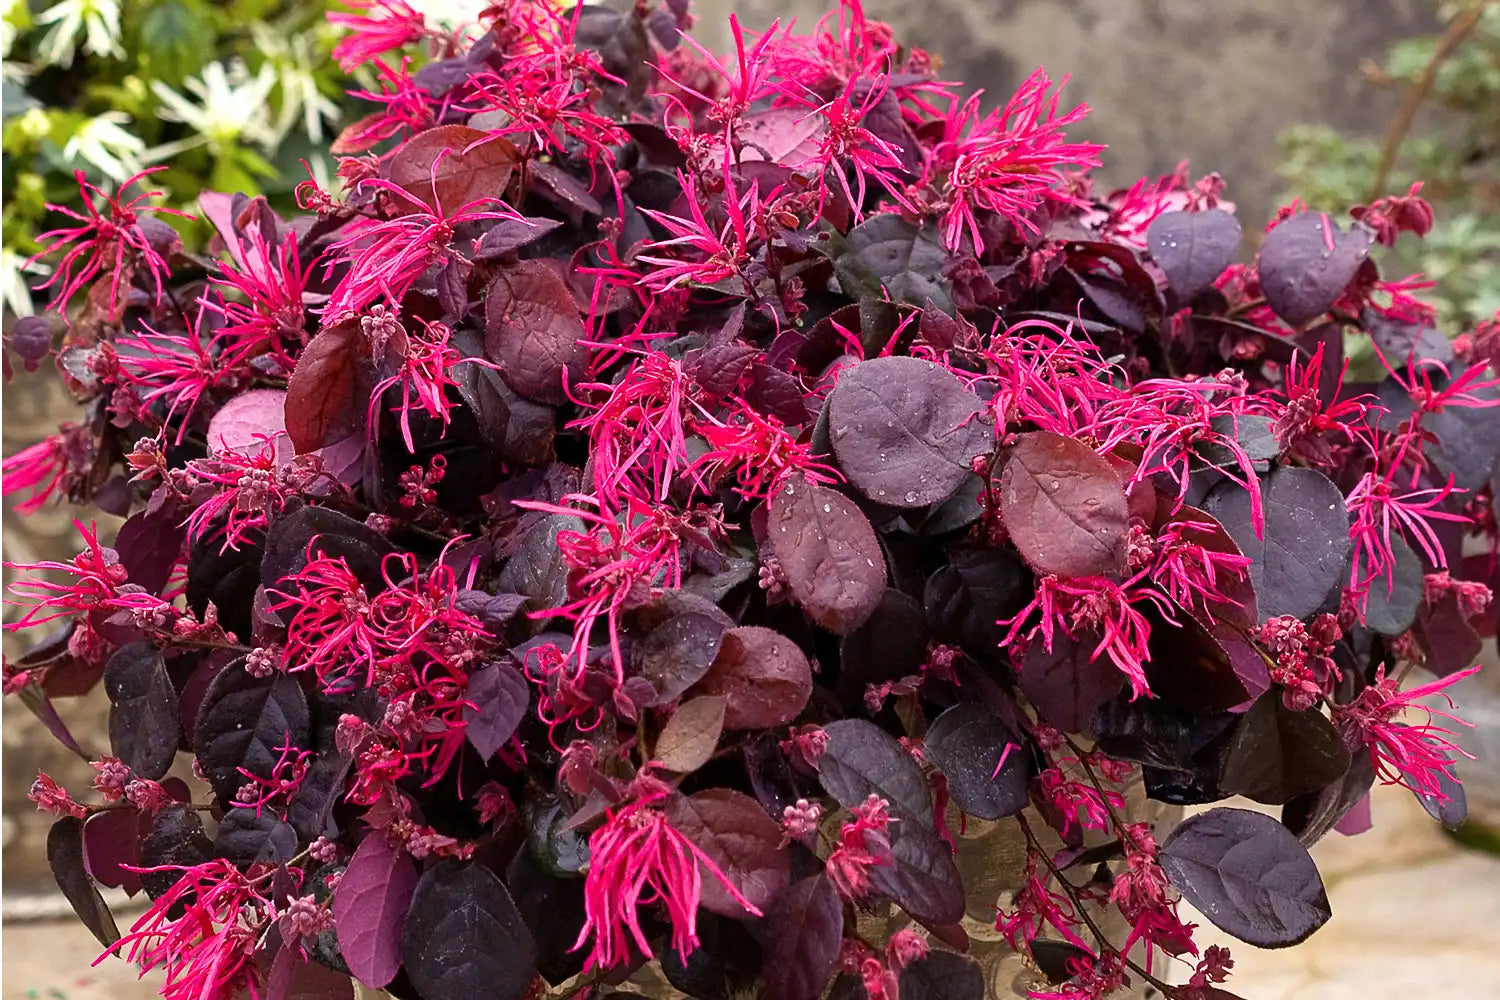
241	723
1307	261
942	975
906	431
532	330
732	829
1193	248
688	739
805	931
65	857
763	676
451	166
1278	754
1247	874
982	759
829	553
863	760
1063	506
327	393
497	699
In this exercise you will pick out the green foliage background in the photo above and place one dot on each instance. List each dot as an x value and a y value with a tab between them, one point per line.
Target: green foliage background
1460	165
254	76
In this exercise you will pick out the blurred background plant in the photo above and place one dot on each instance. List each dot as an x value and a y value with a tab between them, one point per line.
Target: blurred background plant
1454	78
232	93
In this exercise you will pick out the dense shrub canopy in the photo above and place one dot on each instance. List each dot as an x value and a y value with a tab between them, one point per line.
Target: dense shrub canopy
660	497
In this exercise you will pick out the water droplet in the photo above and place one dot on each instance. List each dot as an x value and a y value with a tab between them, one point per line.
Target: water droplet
869	562
911	496
880	493
1054	485
828	508
882	456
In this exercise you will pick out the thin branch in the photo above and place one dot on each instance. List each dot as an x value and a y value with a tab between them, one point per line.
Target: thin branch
1395	134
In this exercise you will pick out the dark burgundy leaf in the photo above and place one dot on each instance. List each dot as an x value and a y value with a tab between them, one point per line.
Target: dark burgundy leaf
144	727
1278	754
242	722
311	809
497	698
294	976
535	571
1307	261
805	930
1393	600
245	838
464	938
982	759
1054	958
370	907
688	739
1311	816
111	845
1063	506
1446	637
733	830
863	760
509	235
1467	437
327	533
764	677
532	330
1193	248
553	907
942	975
1068	684
1304	549
326	396
176	838
448	167
967	599
906	431
1247	874
65	857
922	878
829	553
1189	670
150	544
726	963
676	654
891	644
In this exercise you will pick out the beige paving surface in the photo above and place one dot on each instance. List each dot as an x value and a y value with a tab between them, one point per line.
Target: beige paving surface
1414	916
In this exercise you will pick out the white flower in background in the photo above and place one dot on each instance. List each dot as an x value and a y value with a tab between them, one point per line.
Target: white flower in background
99	20
232	106
15	292
294	62
105	144
450	15
11	11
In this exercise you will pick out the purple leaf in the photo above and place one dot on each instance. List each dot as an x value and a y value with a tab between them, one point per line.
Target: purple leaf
35	699
1278	754
294	976
509	235
764	677
150	545
450	166
1394	599
968	744
1312	816
65	857
1247	874
1358	820
830	555
805	930
307	532
311	809
246	422
1303	551
732	829
144	725
327	393
688	739
532	330
887	252
176	838
246	839
922	878
863	760
1069	683
906	431
498	697
1193	248
464	939
111	845
1063	506
1307	261
370	907
242	722
677	653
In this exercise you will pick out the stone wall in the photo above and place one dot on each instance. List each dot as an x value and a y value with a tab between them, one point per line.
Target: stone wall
1213	81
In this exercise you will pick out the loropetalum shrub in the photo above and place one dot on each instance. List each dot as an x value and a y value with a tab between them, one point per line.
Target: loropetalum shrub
662	498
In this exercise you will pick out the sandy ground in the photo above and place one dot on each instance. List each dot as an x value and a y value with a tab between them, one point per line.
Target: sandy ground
1411	910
